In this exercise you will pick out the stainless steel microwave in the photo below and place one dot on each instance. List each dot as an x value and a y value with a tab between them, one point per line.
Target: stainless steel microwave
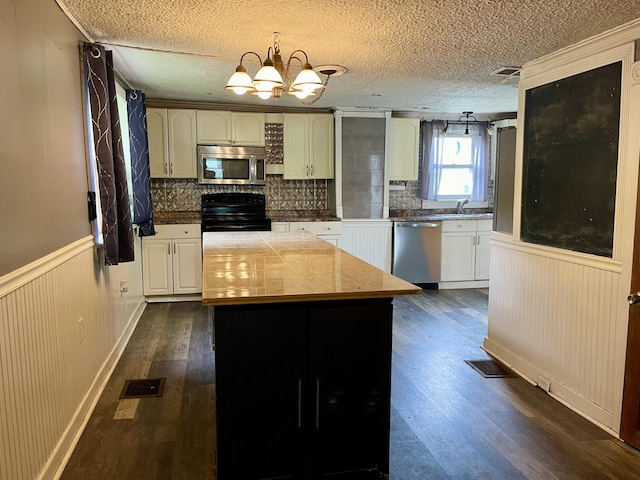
230	165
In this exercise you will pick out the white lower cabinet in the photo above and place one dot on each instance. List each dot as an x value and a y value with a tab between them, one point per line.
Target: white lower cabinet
329	231
482	255
465	250
172	260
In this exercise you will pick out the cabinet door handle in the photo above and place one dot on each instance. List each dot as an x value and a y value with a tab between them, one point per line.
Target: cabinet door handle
311	170
317	403
168	248
171	168
174	248
478	242
299	402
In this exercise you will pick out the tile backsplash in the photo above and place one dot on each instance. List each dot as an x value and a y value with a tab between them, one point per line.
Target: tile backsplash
172	195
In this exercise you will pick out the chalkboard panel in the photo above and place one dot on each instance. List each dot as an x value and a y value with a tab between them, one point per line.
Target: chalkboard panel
570	159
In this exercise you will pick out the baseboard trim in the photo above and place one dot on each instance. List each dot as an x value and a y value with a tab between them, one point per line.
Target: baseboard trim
570	399
469	284
63	451
173	298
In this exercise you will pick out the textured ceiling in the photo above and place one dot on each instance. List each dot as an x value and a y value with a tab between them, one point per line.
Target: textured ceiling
431	56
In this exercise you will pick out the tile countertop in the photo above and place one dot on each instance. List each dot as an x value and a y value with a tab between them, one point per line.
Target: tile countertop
272	267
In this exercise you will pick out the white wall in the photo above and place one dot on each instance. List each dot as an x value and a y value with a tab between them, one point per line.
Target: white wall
558	315
51	275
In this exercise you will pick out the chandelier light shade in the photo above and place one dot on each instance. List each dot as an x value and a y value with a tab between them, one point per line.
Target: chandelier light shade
240	82
307	80
275	78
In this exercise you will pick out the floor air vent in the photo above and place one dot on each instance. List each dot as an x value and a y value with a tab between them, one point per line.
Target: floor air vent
490	369
143	388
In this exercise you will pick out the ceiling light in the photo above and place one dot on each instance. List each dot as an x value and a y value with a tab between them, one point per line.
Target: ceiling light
275	78
466	116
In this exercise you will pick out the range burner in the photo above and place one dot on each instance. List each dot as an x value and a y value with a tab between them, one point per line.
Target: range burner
223	212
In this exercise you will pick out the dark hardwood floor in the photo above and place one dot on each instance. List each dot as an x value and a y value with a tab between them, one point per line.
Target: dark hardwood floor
447	421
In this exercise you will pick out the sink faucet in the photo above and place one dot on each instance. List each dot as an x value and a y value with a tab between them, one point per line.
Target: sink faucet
460	204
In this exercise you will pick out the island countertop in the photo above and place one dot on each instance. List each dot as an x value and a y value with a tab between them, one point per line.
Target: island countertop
240	268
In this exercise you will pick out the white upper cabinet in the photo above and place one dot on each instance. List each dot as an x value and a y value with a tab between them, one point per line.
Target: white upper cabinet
213	127
308	146
172	142
158	137
247	128
296	146
404	144
230	128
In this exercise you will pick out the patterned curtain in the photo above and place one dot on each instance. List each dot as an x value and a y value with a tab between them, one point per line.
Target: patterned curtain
117	228
141	178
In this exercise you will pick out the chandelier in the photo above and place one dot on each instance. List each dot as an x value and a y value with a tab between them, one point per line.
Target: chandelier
275	78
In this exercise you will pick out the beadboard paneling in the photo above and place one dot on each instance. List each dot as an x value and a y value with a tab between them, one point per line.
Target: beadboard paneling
559	320
369	241
49	379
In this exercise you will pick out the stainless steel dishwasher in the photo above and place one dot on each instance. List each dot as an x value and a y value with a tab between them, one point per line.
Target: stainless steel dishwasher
416	251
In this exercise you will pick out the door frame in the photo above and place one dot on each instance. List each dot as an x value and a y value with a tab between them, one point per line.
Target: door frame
630	416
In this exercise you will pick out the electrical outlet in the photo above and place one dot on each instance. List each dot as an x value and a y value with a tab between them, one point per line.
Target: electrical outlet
124	286
80	330
544	384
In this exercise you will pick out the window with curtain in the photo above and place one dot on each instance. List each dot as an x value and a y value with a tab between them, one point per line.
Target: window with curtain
113	225
455	164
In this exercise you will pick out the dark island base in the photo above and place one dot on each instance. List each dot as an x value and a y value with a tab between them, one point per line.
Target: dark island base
303	390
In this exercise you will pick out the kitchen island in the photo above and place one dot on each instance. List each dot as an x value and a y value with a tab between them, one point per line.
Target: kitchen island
303	356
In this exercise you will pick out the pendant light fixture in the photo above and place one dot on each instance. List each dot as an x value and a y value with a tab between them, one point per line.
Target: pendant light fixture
275	78
466	116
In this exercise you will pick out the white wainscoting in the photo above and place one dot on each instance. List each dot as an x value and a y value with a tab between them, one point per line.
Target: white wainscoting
563	321
369	240
49	379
